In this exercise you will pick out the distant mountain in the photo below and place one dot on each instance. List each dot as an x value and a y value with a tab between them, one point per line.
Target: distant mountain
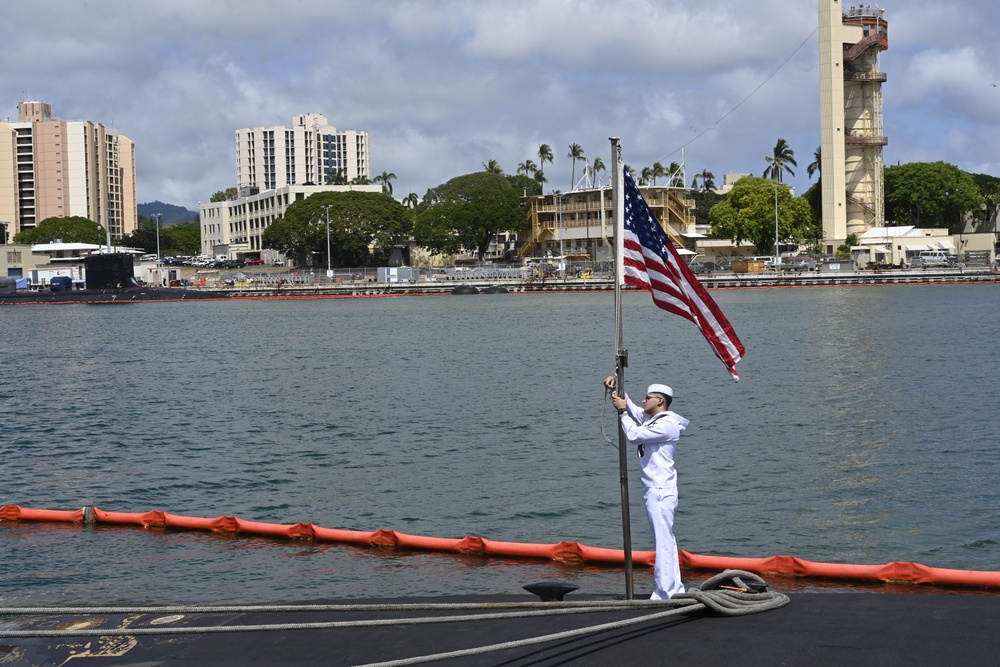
171	214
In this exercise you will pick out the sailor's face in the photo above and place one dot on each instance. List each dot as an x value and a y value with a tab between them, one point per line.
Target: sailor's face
651	402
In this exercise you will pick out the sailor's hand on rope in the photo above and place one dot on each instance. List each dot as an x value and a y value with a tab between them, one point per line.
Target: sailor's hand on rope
609	382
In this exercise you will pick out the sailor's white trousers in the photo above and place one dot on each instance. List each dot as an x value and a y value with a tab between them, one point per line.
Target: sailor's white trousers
661	503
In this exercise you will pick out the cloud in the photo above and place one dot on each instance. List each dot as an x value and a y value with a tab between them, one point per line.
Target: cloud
445	85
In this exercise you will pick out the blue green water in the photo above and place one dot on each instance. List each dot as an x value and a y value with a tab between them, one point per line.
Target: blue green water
862	431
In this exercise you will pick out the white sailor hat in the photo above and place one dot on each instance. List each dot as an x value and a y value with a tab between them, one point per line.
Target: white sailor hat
660	389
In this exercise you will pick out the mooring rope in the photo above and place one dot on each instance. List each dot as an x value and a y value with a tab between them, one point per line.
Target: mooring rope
730	593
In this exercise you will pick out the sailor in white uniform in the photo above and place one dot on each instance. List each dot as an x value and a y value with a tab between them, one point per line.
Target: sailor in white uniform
655	430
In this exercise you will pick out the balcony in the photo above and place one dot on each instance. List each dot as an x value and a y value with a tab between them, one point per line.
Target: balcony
859	139
865	77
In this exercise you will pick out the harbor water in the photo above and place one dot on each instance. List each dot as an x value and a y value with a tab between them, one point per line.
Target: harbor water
863	430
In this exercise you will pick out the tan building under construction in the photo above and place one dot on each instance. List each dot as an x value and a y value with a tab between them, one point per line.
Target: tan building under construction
57	168
852	137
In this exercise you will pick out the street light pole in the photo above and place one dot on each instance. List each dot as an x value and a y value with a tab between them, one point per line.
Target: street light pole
6	259
562	253
158	216
777	253
329	266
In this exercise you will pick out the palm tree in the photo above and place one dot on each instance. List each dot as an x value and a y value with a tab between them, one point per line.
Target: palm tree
597	167
337	177
410	201
657	171
816	166
646	176
540	177
527	167
676	176
385	178
493	167
707	180
575	153
544	155
778	164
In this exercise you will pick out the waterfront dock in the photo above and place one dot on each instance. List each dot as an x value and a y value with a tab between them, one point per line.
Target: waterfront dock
727	280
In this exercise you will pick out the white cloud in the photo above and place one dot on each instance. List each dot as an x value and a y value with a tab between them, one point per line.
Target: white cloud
445	85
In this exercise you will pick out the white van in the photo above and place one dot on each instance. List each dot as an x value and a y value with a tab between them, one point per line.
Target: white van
933	258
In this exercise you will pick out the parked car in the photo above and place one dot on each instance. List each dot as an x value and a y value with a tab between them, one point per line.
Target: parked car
277	262
699	267
256	261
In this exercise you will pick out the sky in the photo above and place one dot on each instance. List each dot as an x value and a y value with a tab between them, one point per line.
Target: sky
444	86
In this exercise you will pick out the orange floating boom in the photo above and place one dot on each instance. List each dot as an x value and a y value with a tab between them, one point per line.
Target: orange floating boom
566	552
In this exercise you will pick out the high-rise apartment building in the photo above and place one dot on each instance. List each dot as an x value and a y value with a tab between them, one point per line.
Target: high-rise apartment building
851	129
57	168
311	152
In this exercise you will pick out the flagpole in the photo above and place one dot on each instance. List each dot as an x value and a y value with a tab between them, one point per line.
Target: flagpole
621	354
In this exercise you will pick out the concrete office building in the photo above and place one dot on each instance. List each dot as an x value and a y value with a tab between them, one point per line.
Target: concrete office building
234	228
57	168
311	152
851	130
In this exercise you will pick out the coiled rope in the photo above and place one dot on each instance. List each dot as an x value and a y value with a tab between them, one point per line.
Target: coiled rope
730	593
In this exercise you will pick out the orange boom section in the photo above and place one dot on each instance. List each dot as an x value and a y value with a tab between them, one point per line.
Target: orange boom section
566	552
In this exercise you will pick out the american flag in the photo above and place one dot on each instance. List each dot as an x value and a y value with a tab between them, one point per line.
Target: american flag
652	263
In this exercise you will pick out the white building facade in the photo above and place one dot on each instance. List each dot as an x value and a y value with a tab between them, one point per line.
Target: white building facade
234	228
310	152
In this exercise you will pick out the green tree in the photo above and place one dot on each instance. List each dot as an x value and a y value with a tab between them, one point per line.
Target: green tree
704	200
228	194
544	155
816	166
364	228
575	153
779	162
182	238
527	168
930	194
747	214
335	176
411	200
675	174
597	168
707	180
69	229
989	188
493	167
525	186
467	213
657	171
144	237
385	178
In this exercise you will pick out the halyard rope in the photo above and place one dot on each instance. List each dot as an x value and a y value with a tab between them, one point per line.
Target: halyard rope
728	593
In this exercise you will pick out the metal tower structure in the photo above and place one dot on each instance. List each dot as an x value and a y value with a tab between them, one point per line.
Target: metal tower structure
852	135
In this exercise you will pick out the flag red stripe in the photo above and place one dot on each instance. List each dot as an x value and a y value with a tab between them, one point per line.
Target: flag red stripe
673	286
